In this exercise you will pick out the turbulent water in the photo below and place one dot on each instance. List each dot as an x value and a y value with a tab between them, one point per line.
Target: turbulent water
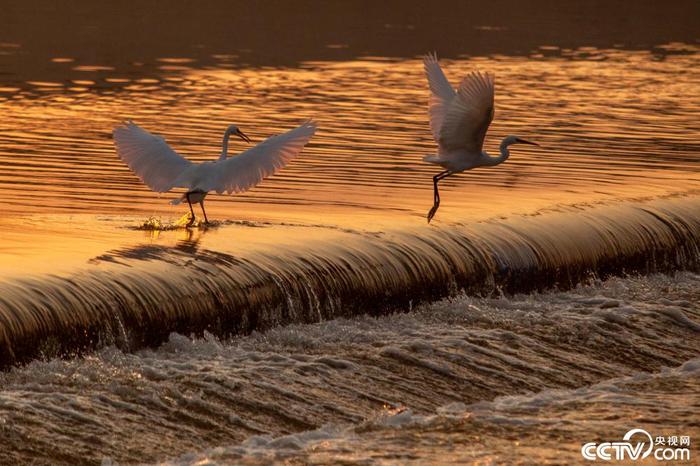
552	302
528	377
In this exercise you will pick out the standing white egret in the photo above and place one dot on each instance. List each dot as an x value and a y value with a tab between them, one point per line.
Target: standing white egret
162	169
459	121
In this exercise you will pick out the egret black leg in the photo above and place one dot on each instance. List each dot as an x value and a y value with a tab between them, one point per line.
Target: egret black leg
187	196
436	193
201	203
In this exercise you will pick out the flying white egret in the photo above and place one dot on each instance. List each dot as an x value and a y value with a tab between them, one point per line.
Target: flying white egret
459	121
162	169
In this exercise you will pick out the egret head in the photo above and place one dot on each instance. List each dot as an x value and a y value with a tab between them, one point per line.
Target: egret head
233	129
516	140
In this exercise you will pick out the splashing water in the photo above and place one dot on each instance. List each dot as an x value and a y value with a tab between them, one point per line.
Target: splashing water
506	376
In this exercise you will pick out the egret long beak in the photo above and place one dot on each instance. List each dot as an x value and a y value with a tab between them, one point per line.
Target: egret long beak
523	141
240	134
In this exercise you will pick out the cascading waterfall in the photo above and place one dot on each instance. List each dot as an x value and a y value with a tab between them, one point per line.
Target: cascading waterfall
136	297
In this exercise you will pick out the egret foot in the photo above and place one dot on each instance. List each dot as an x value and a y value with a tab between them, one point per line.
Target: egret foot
431	214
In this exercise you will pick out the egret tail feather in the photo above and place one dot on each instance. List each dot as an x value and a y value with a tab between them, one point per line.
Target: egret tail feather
432	158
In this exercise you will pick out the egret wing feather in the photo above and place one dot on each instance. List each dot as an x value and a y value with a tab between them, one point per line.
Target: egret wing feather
149	157
441	93
469	115
242	172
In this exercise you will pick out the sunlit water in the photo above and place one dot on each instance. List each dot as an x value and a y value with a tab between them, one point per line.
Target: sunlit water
612	124
340	233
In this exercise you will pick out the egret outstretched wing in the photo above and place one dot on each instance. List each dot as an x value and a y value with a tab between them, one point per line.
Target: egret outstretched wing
441	93
242	172
149	157
469	114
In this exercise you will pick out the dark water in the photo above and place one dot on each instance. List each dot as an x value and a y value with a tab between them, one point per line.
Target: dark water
271	335
413	387
131	36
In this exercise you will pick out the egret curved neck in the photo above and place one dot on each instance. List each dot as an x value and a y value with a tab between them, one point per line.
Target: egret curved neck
505	152
224	146
492	161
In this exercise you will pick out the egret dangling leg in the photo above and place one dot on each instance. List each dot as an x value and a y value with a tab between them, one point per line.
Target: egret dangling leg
201	204
459	120
191	222
436	193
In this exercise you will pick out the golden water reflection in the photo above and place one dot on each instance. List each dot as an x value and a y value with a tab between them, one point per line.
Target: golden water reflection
613	125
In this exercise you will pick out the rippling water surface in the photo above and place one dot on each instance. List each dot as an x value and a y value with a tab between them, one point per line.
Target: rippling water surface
272	334
612	124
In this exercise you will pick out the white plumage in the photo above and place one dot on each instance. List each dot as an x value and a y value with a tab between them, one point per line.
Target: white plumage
149	157
240	173
459	121
161	168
